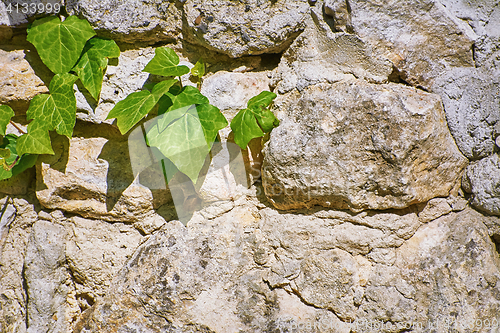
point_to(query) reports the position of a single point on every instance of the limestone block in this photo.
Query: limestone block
(131, 21)
(246, 27)
(482, 180)
(421, 39)
(355, 145)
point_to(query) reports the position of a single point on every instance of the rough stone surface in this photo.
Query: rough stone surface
(95, 251)
(438, 277)
(148, 21)
(421, 39)
(48, 282)
(483, 17)
(359, 146)
(339, 10)
(482, 180)
(319, 55)
(231, 91)
(433, 209)
(471, 97)
(15, 227)
(91, 175)
(18, 82)
(19, 184)
(253, 271)
(246, 27)
(374, 232)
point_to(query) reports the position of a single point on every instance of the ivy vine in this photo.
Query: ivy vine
(186, 125)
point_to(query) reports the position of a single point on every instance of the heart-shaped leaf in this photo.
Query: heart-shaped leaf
(36, 141)
(56, 111)
(5, 114)
(165, 62)
(185, 136)
(182, 141)
(135, 106)
(177, 100)
(60, 44)
(199, 69)
(93, 62)
(255, 120)
(11, 163)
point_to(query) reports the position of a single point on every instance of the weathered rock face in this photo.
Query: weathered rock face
(200, 283)
(132, 21)
(372, 231)
(231, 91)
(440, 279)
(91, 175)
(359, 146)
(319, 55)
(246, 27)
(483, 17)
(47, 280)
(53, 268)
(471, 97)
(16, 223)
(18, 82)
(421, 39)
(482, 180)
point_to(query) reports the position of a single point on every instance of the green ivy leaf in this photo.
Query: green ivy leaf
(199, 69)
(135, 106)
(60, 44)
(212, 121)
(255, 120)
(56, 111)
(93, 62)
(36, 141)
(177, 100)
(263, 99)
(5, 114)
(4, 153)
(165, 62)
(183, 140)
(26, 161)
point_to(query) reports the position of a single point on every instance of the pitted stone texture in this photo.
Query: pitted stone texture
(48, 281)
(355, 145)
(319, 55)
(471, 98)
(91, 175)
(202, 278)
(18, 81)
(15, 228)
(482, 180)
(450, 270)
(253, 271)
(339, 10)
(244, 27)
(149, 21)
(484, 19)
(231, 91)
(95, 251)
(420, 38)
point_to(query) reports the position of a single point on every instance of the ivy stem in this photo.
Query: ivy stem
(13, 163)
(180, 82)
(17, 127)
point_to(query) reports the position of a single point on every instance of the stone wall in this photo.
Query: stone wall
(373, 207)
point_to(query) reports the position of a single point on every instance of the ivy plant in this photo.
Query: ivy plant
(186, 124)
(71, 50)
